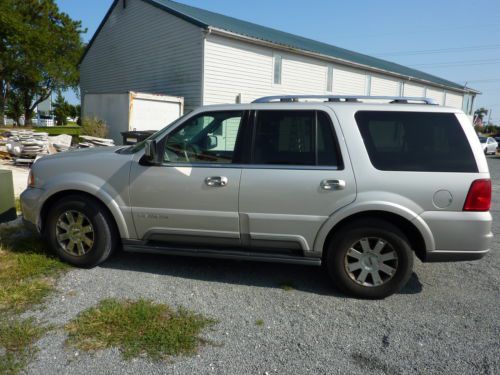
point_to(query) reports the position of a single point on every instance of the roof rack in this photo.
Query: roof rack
(345, 99)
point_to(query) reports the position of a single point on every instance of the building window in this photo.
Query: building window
(278, 67)
(329, 79)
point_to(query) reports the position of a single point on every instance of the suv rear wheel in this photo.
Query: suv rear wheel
(81, 231)
(369, 259)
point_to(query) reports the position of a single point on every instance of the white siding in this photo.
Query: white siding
(384, 86)
(348, 81)
(141, 48)
(235, 67)
(454, 100)
(413, 90)
(435, 94)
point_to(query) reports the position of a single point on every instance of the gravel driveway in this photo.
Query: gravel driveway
(446, 321)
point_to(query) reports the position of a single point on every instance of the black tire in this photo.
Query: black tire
(352, 234)
(104, 234)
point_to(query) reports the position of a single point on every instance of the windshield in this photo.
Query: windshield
(140, 145)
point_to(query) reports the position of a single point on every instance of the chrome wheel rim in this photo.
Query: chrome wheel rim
(75, 233)
(371, 262)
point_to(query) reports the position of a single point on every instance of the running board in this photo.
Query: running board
(140, 247)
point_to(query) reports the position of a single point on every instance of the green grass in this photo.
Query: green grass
(27, 276)
(27, 271)
(17, 339)
(138, 328)
(73, 130)
(18, 205)
(287, 286)
(259, 322)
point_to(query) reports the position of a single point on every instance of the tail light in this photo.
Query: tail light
(479, 196)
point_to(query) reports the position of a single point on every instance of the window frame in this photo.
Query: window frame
(249, 153)
(277, 68)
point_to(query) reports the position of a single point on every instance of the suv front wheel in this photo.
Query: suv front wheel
(80, 231)
(369, 258)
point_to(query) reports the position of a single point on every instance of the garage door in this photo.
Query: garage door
(437, 95)
(454, 100)
(384, 87)
(412, 90)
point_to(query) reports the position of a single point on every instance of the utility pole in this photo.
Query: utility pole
(489, 116)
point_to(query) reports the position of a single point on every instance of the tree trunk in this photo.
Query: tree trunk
(2, 104)
(28, 113)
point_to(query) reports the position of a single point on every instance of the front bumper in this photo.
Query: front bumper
(31, 206)
(458, 236)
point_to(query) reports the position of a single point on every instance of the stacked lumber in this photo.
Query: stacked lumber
(27, 144)
(89, 142)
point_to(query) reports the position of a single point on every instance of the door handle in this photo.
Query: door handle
(333, 184)
(216, 181)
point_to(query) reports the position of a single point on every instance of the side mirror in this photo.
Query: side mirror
(211, 142)
(150, 151)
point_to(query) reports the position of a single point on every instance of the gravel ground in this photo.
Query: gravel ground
(446, 321)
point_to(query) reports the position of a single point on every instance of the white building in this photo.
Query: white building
(161, 46)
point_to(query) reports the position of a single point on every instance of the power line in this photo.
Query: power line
(460, 63)
(398, 32)
(439, 50)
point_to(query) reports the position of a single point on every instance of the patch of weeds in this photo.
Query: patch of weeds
(138, 328)
(259, 322)
(287, 286)
(27, 276)
(17, 339)
(27, 272)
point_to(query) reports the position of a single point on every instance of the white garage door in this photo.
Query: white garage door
(454, 100)
(348, 82)
(412, 90)
(384, 87)
(437, 95)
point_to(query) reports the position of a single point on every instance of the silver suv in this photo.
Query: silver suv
(358, 185)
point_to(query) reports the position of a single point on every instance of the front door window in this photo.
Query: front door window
(207, 138)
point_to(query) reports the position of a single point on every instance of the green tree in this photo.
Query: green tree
(480, 113)
(62, 109)
(40, 47)
(14, 107)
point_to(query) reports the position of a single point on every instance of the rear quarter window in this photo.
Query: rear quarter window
(415, 141)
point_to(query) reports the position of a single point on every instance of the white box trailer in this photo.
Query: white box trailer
(132, 111)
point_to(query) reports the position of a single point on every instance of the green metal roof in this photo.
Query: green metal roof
(206, 19)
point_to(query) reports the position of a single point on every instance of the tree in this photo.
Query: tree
(479, 115)
(14, 107)
(62, 109)
(39, 51)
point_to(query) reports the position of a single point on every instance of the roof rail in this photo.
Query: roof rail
(344, 98)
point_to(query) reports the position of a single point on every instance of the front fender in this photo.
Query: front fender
(96, 187)
(389, 206)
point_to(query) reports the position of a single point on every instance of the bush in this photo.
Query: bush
(94, 127)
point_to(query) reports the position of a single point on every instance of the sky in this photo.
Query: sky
(454, 39)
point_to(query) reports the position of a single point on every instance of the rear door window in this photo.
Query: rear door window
(415, 141)
(295, 138)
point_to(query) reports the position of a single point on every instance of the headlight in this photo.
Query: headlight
(31, 179)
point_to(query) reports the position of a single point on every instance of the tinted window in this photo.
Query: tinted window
(414, 141)
(207, 138)
(295, 138)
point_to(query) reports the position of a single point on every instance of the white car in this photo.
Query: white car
(489, 145)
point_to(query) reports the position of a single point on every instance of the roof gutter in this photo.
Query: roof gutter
(222, 32)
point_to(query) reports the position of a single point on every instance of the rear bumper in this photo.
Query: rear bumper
(458, 236)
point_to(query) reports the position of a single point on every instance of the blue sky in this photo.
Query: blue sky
(455, 39)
